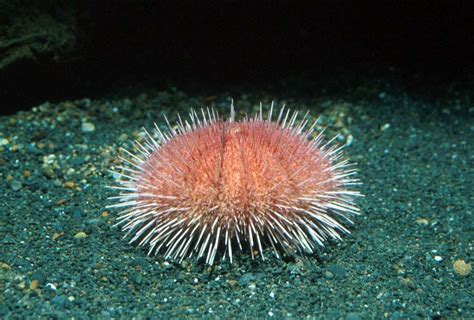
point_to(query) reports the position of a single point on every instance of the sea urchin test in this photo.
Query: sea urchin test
(209, 187)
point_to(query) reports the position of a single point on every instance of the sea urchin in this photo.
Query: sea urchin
(209, 186)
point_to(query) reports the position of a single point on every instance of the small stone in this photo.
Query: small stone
(34, 285)
(26, 173)
(232, 282)
(61, 202)
(80, 235)
(87, 127)
(70, 184)
(385, 127)
(422, 221)
(50, 290)
(136, 278)
(123, 137)
(462, 268)
(51, 286)
(16, 185)
(48, 172)
(4, 142)
(438, 258)
(4, 266)
(57, 235)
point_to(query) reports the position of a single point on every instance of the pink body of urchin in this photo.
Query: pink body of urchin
(212, 185)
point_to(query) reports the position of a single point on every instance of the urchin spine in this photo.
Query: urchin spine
(146, 215)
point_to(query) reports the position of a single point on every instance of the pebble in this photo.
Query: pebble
(4, 142)
(136, 278)
(49, 159)
(232, 283)
(70, 185)
(48, 172)
(123, 137)
(50, 290)
(16, 185)
(80, 235)
(34, 285)
(462, 268)
(87, 127)
(422, 221)
(57, 235)
(438, 258)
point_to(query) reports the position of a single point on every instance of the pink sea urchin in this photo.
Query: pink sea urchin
(210, 186)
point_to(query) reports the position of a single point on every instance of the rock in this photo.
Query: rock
(462, 268)
(4, 142)
(48, 172)
(80, 235)
(87, 127)
(16, 185)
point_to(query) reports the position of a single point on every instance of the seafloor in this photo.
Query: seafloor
(407, 256)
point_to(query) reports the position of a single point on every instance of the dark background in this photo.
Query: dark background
(58, 50)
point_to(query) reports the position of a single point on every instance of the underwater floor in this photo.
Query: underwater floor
(409, 254)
